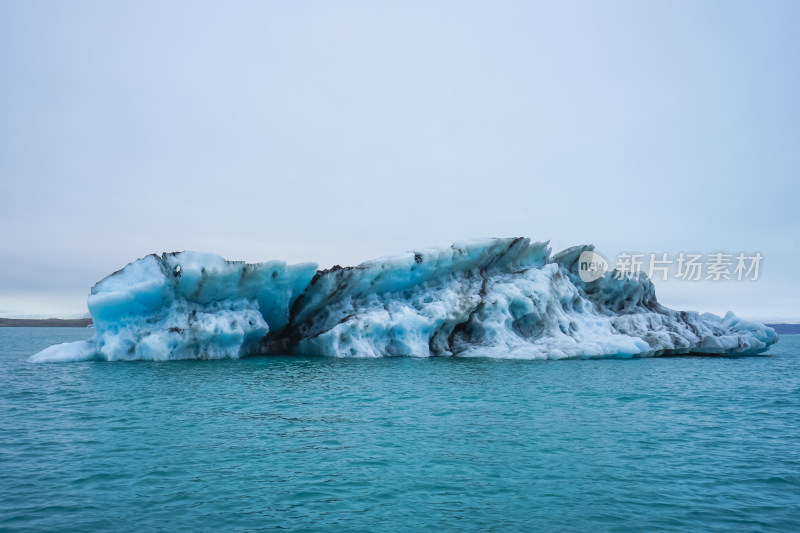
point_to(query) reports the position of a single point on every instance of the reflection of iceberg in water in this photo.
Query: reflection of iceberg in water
(505, 298)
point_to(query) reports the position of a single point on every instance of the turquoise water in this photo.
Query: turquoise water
(675, 444)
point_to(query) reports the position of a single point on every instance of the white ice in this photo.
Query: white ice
(503, 298)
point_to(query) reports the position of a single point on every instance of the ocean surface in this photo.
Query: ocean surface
(398, 444)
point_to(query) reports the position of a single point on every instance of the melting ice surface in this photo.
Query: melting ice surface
(505, 298)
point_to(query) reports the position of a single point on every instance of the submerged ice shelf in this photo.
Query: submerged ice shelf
(505, 298)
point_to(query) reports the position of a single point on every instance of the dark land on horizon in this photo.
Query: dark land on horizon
(785, 329)
(44, 322)
(780, 329)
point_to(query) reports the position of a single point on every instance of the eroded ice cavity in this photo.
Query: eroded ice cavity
(506, 298)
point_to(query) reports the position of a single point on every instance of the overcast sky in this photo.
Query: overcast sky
(336, 132)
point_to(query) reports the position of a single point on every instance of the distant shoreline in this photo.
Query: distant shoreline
(44, 322)
(785, 329)
(780, 329)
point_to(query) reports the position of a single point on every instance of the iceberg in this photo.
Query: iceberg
(502, 298)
